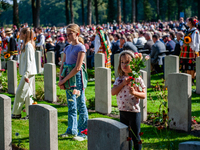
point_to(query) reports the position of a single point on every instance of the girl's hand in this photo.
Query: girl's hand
(26, 80)
(62, 87)
(126, 81)
(132, 91)
(61, 82)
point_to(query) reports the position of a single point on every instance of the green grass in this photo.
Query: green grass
(151, 139)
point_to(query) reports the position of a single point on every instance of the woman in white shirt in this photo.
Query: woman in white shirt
(27, 69)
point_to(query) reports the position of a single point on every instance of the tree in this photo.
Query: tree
(15, 14)
(83, 16)
(72, 13)
(89, 15)
(111, 11)
(198, 9)
(148, 12)
(124, 11)
(67, 11)
(134, 6)
(36, 12)
(119, 17)
(96, 11)
(158, 9)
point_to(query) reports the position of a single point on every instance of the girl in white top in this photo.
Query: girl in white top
(27, 69)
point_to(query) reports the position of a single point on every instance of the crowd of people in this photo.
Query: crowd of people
(156, 39)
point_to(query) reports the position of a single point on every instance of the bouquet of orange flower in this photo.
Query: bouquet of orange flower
(136, 65)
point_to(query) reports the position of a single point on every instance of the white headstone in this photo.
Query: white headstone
(116, 64)
(143, 102)
(103, 90)
(50, 82)
(148, 70)
(38, 61)
(198, 75)
(12, 76)
(5, 123)
(107, 134)
(179, 101)
(171, 66)
(99, 60)
(50, 57)
(43, 127)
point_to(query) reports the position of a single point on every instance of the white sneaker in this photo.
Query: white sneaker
(80, 138)
(60, 63)
(64, 135)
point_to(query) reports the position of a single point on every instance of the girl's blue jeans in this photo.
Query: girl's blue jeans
(75, 103)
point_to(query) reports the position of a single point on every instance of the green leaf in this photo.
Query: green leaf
(140, 88)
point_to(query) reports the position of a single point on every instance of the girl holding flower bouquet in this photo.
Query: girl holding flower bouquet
(73, 78)
(189, 48)
(128, 97)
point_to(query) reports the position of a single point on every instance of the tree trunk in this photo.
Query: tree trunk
(71, 10)
(37, 19)
(83, 16)
(158, 10)
(67, 11)
(36, 12)
(124, 11)
(119, 11)
(96, 11)
(33, 11)
(15, 13)
(89, 15)
(134, 11)
(169, 13)
(179, 8)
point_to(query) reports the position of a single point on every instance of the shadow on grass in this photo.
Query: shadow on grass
(196, 113)
(23, 140)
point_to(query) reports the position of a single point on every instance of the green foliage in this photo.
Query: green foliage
(3, 81)
(148, 11)
(90, 73)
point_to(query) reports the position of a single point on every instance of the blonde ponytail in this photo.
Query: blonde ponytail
(80, 39)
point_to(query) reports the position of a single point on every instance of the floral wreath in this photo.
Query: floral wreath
(195, 22)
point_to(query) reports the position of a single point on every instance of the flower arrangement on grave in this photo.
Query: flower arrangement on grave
(6, 56)
(136, 64)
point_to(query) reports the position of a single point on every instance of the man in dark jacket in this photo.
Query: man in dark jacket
(157, 49)
(59, 49)
(124, 45)
(177, 49)
(115, 47)
(148, 45)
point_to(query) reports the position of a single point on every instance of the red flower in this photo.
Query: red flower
(194, 121)
(140, 142)
(2, 70)
(160, 127)
(141, 133)
(131, 78)
(84, 131)
(129, 138)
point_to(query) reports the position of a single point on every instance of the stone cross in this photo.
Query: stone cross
(51, 57)
(143, 102)
(107, 134)
(103, 90)
(38, 61)
(12, 76)
(5, 123)
(148, 70)
(50, 82)
(179, 101)
(99, 60)
(171, 66)
(43, 127)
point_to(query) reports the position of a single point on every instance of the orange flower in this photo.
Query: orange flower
(34, 103)
(7, 55)
(0, 42)
(166, 89)
(35, 38)
(17, 36)
(187, 39)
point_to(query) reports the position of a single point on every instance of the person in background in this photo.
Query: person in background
(59, 50)
(148, 45)
(28, 70)
(49, 44)
(170, 44)
(141, 40)
(177, 49)
(124, 45)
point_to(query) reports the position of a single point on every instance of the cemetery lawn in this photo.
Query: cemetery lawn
(152, 138)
